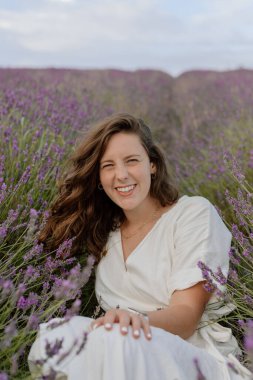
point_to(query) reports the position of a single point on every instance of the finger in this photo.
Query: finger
(136, 323)
(146, 328)
(96, 323)
(110, 318)
(124, 321)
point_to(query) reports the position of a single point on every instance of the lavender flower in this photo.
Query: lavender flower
(3, 232)
(53, 348)
(33, 322)
(63, 250)
(3, 376)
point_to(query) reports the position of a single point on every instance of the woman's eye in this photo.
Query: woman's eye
(106, 166)
(132, 160)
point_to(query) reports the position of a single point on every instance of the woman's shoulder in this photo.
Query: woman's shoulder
(189, 204)
(194, 200)
(195, 212)
(191, 210)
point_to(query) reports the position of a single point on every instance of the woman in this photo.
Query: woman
(118, 201)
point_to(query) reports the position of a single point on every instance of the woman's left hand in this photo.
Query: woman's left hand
(124, 318)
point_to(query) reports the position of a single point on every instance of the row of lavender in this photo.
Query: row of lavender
(204, 121)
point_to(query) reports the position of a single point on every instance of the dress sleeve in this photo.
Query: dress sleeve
(199, 234)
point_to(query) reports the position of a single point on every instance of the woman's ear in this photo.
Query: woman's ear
(152, 168)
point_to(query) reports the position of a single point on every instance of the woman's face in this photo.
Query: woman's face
(125, 172)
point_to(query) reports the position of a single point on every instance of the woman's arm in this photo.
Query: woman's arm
(184, 312)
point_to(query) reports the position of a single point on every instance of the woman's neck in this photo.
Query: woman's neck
(141, 214)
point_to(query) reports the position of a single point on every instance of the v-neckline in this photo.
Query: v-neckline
(147, 235)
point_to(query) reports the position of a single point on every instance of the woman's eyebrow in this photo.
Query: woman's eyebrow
(132, 155)
(125, 158)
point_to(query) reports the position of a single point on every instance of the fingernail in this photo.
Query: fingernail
(108, 325)
(124, 329)
(149, 336)
(136, 333)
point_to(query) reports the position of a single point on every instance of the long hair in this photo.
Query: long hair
(82, 211)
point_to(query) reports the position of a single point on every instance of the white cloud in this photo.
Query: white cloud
(132, 33)
(4, 24)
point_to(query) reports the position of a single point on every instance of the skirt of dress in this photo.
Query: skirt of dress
(108, 355)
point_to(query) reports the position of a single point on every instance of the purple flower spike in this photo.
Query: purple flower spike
(3, 232)
(22, 303)
(33, 213)
(33, 322)
(3, 376)
(53, 348)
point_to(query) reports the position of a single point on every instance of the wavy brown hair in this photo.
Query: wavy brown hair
(83, 211)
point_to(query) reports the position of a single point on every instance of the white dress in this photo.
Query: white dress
(164, 261)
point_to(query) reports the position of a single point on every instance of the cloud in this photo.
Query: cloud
(6, 25)
(130, 34)
(60, 29)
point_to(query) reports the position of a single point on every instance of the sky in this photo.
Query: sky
(170, 35)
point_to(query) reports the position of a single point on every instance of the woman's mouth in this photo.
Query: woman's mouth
(125, 189)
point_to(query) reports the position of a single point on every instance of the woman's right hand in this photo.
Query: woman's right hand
(125, 319)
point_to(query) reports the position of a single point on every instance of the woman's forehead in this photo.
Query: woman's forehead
(122, 144)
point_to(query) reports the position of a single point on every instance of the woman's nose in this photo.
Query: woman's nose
(121, 172)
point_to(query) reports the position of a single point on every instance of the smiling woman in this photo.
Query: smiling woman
(159, 322)
(125, 174)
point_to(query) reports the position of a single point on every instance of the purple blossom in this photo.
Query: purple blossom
(21, 289)
(233, 275)
(248, 338)
(33, 213)
(234, 256)
(46, 286)
(219, 276)
(33, 322)
(63, 250)
(10, 332)
(34, 252)
(67, 289)
(3, 232)
(26, 175)
(32, 299)
(22, 303)
(74, 310)
(83, 343)
(53, 348)
(3, 192)
(3, 376)
(241, 323)
(11, 329)
(246, 252)
(7, 287)
(248, 299)
(51, 264)
(207, 273)
(31, 271)
(12, 215)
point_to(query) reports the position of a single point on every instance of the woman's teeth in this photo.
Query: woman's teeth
(125, 189)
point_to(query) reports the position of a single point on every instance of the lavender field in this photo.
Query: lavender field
(204, 122)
